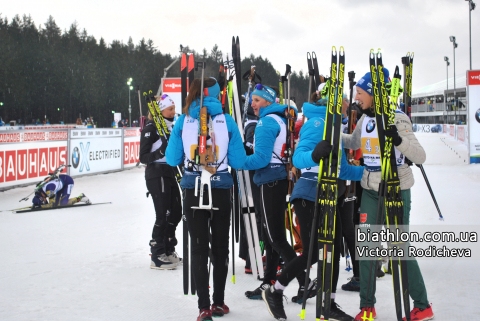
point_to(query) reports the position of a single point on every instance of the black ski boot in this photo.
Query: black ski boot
(274, 301)
(336, 314)
(312, 291)
(257, 293)
(352, 285)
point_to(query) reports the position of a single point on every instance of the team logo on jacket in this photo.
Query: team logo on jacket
(317, 123)
(371, 126)
(477, 115)
(363, 217)
(259, 124)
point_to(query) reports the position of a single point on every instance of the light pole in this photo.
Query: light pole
(446, 96)
(130, 87)
(471, 7)
(455, 45)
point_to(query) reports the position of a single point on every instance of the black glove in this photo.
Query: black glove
(392, 132)
(160, 152)
(322, 150)
(248, 149)
(362, 162)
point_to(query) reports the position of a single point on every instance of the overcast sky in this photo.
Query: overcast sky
(284, 30)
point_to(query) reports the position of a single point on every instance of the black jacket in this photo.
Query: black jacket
(148, 137)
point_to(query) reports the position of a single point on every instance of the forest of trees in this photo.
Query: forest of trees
(62, 75)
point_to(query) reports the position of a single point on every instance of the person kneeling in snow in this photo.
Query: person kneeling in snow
(58, 191)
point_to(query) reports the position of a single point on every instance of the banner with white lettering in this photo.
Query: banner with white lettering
(473, 123)
(28, 157)
(131, 147)
(427, 128)
(173, 88)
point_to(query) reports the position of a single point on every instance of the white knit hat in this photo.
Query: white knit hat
(165, 102)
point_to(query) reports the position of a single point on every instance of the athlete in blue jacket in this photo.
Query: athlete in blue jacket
(224, 134)
(269, 164)
(310, 149)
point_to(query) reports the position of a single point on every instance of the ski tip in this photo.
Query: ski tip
(342, 49)
(183, 64)
(372, 51)
(334, 48)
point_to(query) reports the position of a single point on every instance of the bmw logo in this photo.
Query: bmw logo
(371, 125)
(75, 157)
(477, 115)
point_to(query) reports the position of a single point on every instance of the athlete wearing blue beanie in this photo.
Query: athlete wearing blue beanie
(366, 81)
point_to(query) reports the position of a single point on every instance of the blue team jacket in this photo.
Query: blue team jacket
(310, 135)
(236, 152)
(266, 133)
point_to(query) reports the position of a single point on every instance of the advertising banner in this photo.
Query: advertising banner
(95, 150)
(473, 103)
(173, 88)
(427, 128)
(131, 147)
(28, 157)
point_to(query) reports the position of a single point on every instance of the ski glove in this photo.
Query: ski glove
(160, 152)
(322, 150)
(392, 132)
(248, 148)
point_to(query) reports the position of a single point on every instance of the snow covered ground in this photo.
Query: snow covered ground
(92, 263)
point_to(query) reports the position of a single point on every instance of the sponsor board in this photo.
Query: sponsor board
(131, 147)
(173, 88)
(30, 162)
(95, 133)
(473, 103)
(95, 154)
(427, 128)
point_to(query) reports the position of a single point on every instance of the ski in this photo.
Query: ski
(310, 78)
(55, 208)
(243, 177)
(352, 121)
(288, 153)
(183, 73)
(191, 75)
(316, 72)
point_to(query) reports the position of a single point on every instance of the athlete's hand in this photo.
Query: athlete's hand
(160, 152)
(248, 148)
(392, 132)
(322, 150)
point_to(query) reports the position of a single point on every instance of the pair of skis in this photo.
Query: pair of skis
(242, 188)
(186, 253)
(326, 195)
(390, 201)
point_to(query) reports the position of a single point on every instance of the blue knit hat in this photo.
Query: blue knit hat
(265, 92)
(366, 81)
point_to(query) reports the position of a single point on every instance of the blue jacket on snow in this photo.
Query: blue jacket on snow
(266, 133)
(310, 135)
(236, 152)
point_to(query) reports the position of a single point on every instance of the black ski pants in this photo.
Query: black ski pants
(168, 209)
(199, 222)
(272, 206)
(304, 210)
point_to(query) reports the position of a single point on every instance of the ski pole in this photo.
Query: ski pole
(431, 192)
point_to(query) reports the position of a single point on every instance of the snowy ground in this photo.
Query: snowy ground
(93, 263)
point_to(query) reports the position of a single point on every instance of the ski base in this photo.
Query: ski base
(56, 208)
